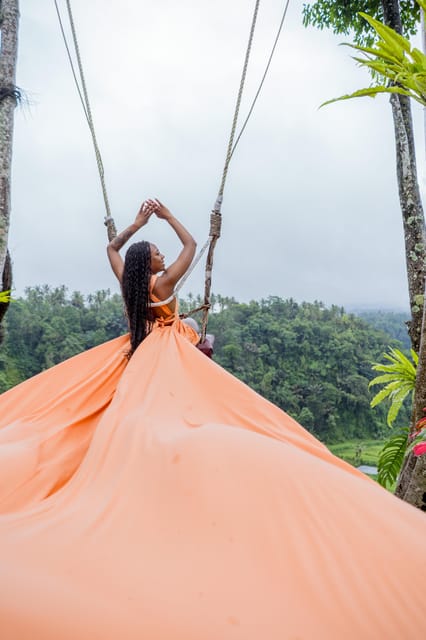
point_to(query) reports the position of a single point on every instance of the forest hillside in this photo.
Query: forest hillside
(312, 361)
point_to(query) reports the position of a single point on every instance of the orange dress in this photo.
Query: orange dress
(162, 499)
(165, 316)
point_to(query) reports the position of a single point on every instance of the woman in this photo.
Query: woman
(160, 498)
(138, 274)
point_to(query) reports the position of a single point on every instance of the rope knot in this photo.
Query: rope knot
(111, 228)
(203, 307)
(215, 224)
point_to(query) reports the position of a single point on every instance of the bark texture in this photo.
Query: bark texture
(9, 20)
(412, 213)
(409, 194)
(411, 485)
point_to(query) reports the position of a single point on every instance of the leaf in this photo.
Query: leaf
(422, 3)
(390, 58)
(381, 68)
(401, 362)
(387, 34)
(419, 57)
(371, 92)
(396, 403)
(384, 393)
(385, 55)
(418, 82)
(411, 81)
(378, 366)
(399, 378)
(399, 55)
(381, 379)
(391, 458)
(5, 296)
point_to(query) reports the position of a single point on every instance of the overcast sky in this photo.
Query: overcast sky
(311, 207)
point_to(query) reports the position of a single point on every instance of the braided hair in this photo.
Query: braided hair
(135, 288)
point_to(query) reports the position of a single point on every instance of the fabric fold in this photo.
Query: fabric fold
(162, 498)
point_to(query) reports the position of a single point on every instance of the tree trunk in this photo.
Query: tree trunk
(409, 194)
(411, 485)
(9, 19)
(412, 213)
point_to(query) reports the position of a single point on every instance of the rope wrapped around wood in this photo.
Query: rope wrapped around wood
(215, 224)
(216, 217)
(111, 228)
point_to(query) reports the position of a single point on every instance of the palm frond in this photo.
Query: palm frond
(387, 377)
(385, 392)
(388, 35)
(393, 61)
(399, 378)
(397, 399)
(370, 92)
(391, 458)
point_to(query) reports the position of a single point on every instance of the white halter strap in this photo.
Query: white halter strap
(182, 280)
(163, 302)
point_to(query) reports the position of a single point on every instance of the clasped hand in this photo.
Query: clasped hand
(148, 208)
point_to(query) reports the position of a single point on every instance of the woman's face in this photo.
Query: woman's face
(157, 260)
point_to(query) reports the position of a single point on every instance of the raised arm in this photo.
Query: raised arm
(175, 271)
(116, 261)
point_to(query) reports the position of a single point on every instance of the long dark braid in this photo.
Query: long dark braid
(135, 287)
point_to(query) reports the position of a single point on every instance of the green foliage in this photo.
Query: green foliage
(47, 327)
(343, 17)
(391, 458)
(399, 379)
(401, 67)
(312, 361)
(304, 357)
(306, 418)
(358, 452)
(393, 323)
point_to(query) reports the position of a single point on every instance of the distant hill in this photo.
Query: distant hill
(391, 322)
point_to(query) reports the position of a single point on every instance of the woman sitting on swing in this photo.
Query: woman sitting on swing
(144, 278)
(190, 504)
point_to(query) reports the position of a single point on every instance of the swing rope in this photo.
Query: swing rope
(216, 216)
(84, 97)
(265, 73)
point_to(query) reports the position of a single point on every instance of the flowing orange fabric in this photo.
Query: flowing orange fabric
(162, 499)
